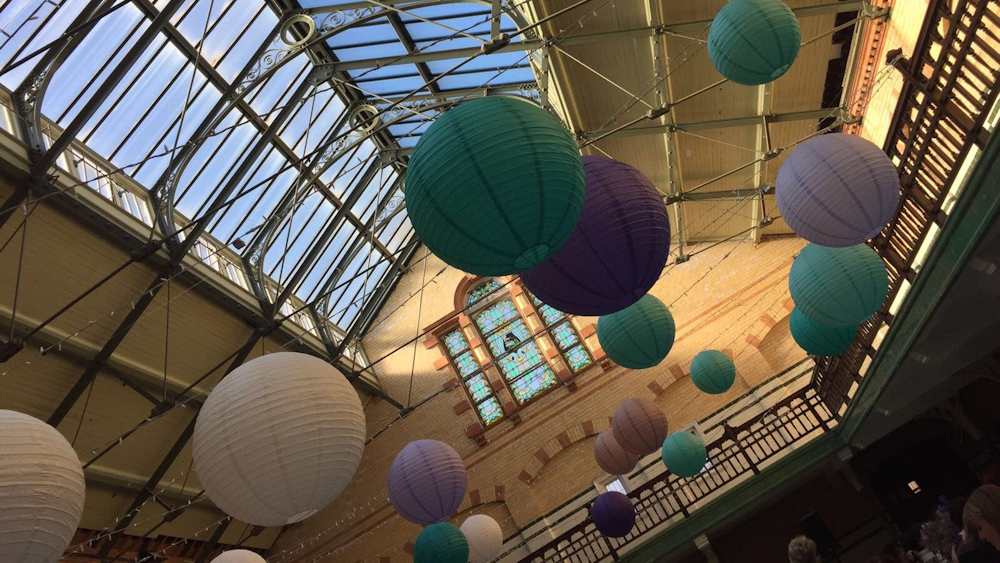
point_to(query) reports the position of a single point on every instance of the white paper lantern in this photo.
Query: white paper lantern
(238, 556)
(41, 490)
(484, 536)
(278, 439)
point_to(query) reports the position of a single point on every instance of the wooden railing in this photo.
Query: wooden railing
(741, 451)
(950, 86)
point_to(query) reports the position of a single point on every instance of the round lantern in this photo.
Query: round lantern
(837, 190)
(618, 249)
(484, 536)
(613, 514)
(278, 439)
(611, 457)
(427, 482)
(753, 42)
(639, 426)
(713, 372)
(41, 490)
(820, 340)
(684, 454)
(495, 186)
(441, 543)
(838, 287)
(640, 335)
(238, 556)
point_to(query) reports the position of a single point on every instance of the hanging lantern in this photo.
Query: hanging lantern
(441, 543)
(613, 514)
(427, 482)
(838, 287)
(484, 536)
(618, 249)
(238, 556)
(837, 190)
(753, 42)
(819, 340)
(41, 490)
(684, 454)
(639, 336)
(495, 186)
(639, 426)
(278, 439)
(611, 457)
(713, 372)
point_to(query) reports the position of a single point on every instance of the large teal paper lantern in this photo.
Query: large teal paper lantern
(684, 454)
(713, 372)
(495, 186)
(441, 543)
(838, 287)
(640, 335)
(753, 42)
(820, 340)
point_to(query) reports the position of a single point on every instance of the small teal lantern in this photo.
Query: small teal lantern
(640, 335)
(753, 42)
(819, 340)
(684, 454)
(441, 543)
(838, 287)
(713, 372)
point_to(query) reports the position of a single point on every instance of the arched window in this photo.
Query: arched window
(473, 379)
(564, 334)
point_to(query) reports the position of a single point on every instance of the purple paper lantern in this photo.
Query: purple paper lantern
(617, 250)
(427, 482)
(837, 190)
(613, 514)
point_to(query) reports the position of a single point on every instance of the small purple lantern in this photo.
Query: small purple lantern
(427, 482)
(613, 514)
(617, 250)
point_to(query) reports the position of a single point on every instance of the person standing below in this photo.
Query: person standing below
(802, 550)
(981, 519)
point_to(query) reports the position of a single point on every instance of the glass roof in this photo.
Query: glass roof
(163, 99)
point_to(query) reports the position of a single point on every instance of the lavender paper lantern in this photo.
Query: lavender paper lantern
(611, 457)
(427, 482)
(837, 190)
(639, 426)
(238, 556)
(613, 514)
(617, 250)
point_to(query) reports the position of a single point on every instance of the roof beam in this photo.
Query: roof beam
(748, 121)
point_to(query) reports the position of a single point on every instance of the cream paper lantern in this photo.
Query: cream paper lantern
(41, 490)
(238, 556)
(485, 538)
(278, 439)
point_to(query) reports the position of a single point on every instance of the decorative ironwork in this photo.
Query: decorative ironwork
(390, 208)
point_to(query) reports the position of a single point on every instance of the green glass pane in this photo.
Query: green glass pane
(522, 361)
(496, 316)
(549, 314)
(482, 291)
(565, 335)
(466, 364)
(578, 358)
(478, 387)
(509, 337)
(490, 411)
(455, 342)
(529, 386)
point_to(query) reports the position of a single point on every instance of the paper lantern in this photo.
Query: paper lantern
(838, 287)
(278, 439)
(441, 543)
(613, 514)
(495, 186)
(837, 190)
(820, 340)
(639, 426)
(484, 536)
(639, 336)
(427, 482)
(753, 42)
(684, 454)
(41, 490)
(611, 457)
(238, 556)
(618, 249)
(713, 372)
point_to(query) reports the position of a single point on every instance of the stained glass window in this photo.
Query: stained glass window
(478, 387)
(496, 316)
(455, 342)
(467, 365)
(482, 291)
(549, 314)
(508, 338)
(475, 382)
(532, 384)
(490, 411)
(520, 362)
(565, 335)
(578, 358)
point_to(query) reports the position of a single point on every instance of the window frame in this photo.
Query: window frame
(550, 328)
(463, 379)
